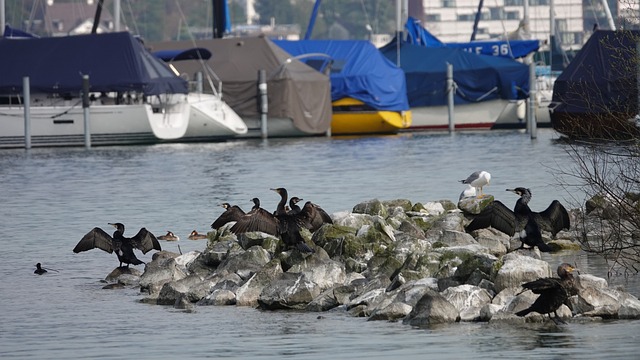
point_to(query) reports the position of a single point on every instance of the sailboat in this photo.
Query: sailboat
(134, 97)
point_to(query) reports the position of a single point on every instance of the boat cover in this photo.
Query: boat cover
(514, 49)
(477, 77)
(358, 71)
(602, 76)
(184, 54)
(115, 62)
(295, 90)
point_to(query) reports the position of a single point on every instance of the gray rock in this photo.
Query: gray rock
(517, 269)
(432, 309)
(246, 263)
(249, 292)
(161, 270)
(219, 297)
(468, 300)
(289, 291)
(393, 311)
(173, 290)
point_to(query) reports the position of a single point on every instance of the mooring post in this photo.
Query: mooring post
(532, 126)
(26, 97)
(85, 108)
(264, 102)
(450, 96)
(199, 88)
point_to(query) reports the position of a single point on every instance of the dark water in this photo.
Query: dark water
(51, 197)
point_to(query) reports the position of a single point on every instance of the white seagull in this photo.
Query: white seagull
(478, 179)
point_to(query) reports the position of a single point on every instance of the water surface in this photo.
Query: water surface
(52, 197)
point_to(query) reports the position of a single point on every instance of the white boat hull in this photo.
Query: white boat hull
(62, 124)
(276, 128)
(211, 119)
(476, 116)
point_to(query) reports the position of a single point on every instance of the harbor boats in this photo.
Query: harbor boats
(299, 97)
(596, 96)
(368, 92)
(486, 88)
(210, 117)
(133, 97)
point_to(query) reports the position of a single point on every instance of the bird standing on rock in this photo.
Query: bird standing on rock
(553, 292)
(478, 180)
(231, 213)
(523, 220)
(123, 246)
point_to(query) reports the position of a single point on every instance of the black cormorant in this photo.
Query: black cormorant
(196, 236)
(169, 236)
(257, 219)
(553, 292)
(123, 246)
(284, 223)
(293, 205)
(231, 213)
(478, 180)
(523, 220)
(39, 270)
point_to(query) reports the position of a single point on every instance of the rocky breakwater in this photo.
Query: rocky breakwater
(384, 260)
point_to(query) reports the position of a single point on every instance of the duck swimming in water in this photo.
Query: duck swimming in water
(39, 270)
(123, 246)
(169, 236)
(196, 236)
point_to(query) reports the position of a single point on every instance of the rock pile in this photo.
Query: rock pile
(385, 260)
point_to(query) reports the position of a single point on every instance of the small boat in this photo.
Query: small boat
(486, 88)
(352, 117)
(596, 96)
(211, 118)
(299, 98)
(134, 98)
(367, 91)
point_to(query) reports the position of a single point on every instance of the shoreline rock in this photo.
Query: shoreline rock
(385, 260)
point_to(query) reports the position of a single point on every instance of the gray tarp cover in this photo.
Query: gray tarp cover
(296, 91)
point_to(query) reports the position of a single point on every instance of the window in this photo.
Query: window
(513, 2)
(432, 18)
(448, 3)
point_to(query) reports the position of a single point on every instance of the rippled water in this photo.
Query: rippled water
(51, 197)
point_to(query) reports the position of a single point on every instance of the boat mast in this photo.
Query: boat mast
(2, 17)
(476, 20)
(607, 12)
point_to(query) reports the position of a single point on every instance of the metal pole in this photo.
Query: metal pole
(199, 82)
(450, 93)
(85, 108)
(116, 15)
(264, 102)
(26, 97)
(532, 126)
(2, 17)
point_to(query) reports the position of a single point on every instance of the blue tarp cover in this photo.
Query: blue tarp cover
(358, 71)
(602, 76)
(418, 35)
(475, 75)
(113, 61)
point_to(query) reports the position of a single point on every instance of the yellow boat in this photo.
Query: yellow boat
(351, 117)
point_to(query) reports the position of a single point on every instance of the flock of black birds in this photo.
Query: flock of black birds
(289, 219)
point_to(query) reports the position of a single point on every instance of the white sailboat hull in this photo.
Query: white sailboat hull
(211, 118)
(477, 116)
(62, 123)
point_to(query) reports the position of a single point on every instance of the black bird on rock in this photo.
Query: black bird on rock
(231, 213)
(553, 292)
(123, 246)
(284, 223)
(523, 220)
(257, 219)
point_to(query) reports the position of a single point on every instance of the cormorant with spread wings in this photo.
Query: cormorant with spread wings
(523, 220)
(123, 246)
